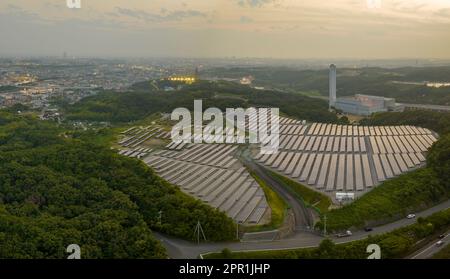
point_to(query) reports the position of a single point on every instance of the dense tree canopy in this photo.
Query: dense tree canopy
(439, 159)
(145, 100)
(436, 121)
(55, 191)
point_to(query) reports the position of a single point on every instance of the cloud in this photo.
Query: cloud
(17, 12)
(246, 19)
(254, 3)
(163, 17)
(444, 13)
(179, 15)
(59, 6)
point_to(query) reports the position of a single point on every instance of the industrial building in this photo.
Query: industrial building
(359, 104)
(366, 105)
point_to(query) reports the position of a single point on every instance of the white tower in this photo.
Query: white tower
(332, 85)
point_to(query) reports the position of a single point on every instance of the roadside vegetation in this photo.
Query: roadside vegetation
(443, 254)
(310, 198)
(278, 206)
(394, 245)
(390, 201)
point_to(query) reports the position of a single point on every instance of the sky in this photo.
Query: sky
(288, 29)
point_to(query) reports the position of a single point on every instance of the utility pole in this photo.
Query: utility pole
(325, 225)
(198, 230)
(160, 217)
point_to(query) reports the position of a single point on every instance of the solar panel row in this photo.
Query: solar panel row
(351, 130)
(138, 135)
(346, 157)
(401, 144)
(333, 171)
(204, 171)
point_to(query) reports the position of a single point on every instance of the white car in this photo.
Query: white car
(439, 243)
(411, 216)
(347, 233)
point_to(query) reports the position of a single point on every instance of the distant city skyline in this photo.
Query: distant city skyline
(281, 29)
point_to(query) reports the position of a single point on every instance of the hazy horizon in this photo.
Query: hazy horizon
(252, 29)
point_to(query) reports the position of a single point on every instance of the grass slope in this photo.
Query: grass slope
(278, 206)
(310, 197)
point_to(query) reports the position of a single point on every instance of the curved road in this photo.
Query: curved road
(303, 217)
(181, 249)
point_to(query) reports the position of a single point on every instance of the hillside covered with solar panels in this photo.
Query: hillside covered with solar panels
(211, 173)
(344, 158)
(327, 158)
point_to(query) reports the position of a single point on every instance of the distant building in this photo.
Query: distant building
(169, 88)
(345, 197)
(366, 105)
(50, 114)
(332, 85)
(427, 107)
(185, 79)
(188, 79)
(246, 80)
(359, 104)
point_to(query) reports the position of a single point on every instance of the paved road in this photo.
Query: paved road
(407, 105)
(431, 249)
(303, 217)
(182, 249)
(428, 107)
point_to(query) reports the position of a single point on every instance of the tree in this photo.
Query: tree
(326, 249)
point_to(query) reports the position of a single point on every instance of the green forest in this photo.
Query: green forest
(436, 121)
(8, 88)
(399, 83)
(56, 190)
(145, 100)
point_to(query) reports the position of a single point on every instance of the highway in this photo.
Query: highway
(431, 249)
(181, 249)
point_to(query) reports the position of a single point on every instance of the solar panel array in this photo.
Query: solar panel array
(210, 173)
(327, 157)
(139, 152)
(136, 136)
(331, 157)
